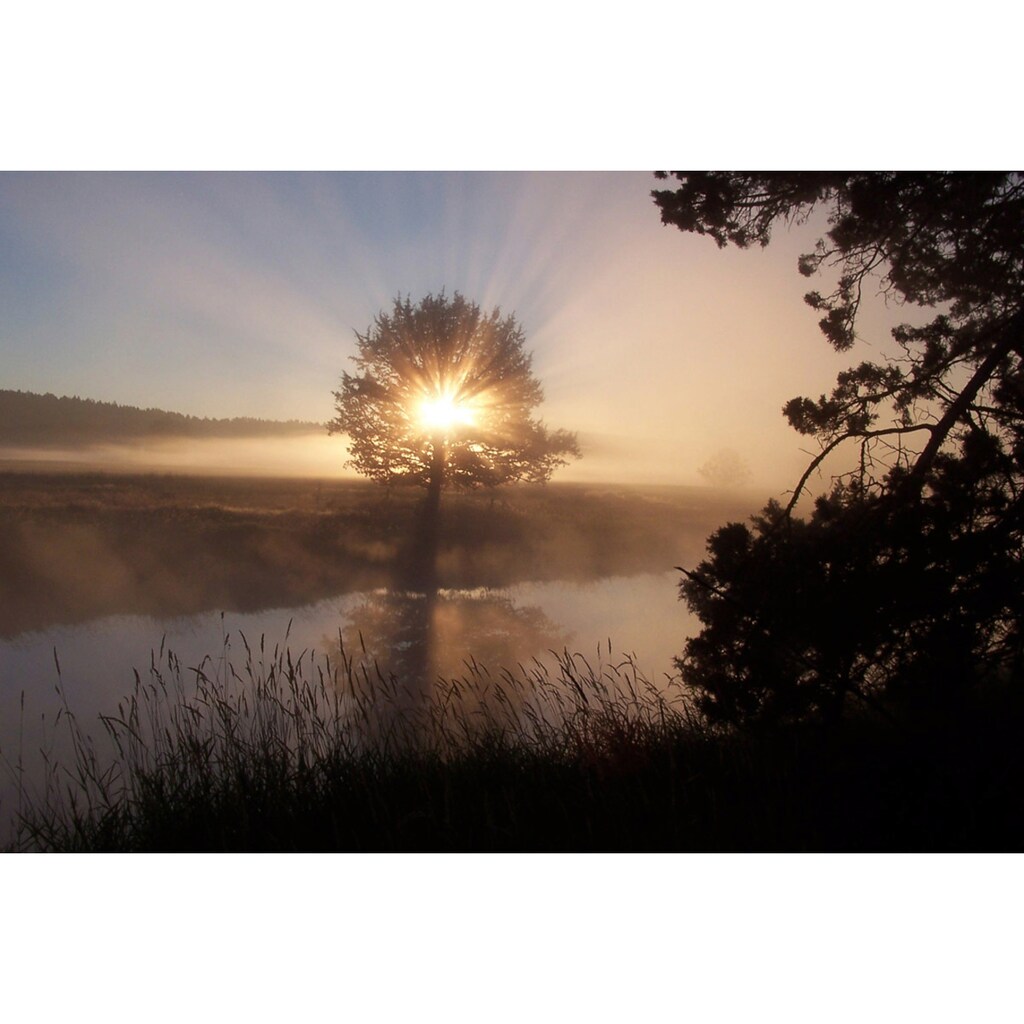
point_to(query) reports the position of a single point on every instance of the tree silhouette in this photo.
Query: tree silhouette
(726, 468)
(444, 395)
(908, 577)
(30, 419)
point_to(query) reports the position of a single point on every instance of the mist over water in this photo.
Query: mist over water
(104, 574)
(489, 633)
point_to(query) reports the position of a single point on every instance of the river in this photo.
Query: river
(524, 628)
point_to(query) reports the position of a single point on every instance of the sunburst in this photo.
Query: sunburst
(444, 413)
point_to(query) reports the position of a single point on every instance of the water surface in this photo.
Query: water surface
(413, 635)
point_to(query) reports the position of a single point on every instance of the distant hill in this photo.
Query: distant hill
(30, 419)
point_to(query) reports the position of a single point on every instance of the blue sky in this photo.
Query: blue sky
(237, 294)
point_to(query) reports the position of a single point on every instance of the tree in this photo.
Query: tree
(444, 396)
(908, 577)
(725, 469)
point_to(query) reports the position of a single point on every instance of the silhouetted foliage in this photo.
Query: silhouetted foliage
(907, 578)
(29, 419)
(470, 372)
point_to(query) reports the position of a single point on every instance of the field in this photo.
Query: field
(75, 546)
(190, 761)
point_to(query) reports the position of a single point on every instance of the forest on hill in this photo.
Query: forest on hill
(31, 419)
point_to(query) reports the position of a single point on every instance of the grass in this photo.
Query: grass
(287, 751)
(294, 753)
(74, 547)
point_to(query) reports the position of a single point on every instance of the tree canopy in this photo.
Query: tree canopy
(908, 575)
(445, 395)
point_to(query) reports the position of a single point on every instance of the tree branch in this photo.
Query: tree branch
(828, 449)
(940, 430)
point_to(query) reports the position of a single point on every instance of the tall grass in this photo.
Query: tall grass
(272, 750)
(263, 753)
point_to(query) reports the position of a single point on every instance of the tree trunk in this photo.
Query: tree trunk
(1002, 347)
(436, 480)
(420, 561)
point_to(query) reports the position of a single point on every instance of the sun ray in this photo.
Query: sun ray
(444, 412)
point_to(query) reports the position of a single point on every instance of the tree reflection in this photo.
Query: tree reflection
(420, 644)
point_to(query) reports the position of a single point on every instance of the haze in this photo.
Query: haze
(237, 294)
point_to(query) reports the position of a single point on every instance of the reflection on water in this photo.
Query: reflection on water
(475, 610)
(497, 627)
(433, 634)
(415, 639)
(419, 635)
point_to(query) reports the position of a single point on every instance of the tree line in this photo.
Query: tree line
(31, 419)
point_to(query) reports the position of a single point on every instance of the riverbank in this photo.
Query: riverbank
(595, 760)
(77, 546)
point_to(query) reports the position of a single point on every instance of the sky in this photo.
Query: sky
(238, 294)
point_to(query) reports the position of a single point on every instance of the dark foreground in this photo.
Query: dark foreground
(276, 755)
(622, 771)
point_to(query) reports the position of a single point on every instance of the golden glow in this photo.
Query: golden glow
(444, 413)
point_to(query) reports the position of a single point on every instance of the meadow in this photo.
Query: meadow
(262, 746)
(75, 546)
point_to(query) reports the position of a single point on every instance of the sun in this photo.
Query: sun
(444, 413)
